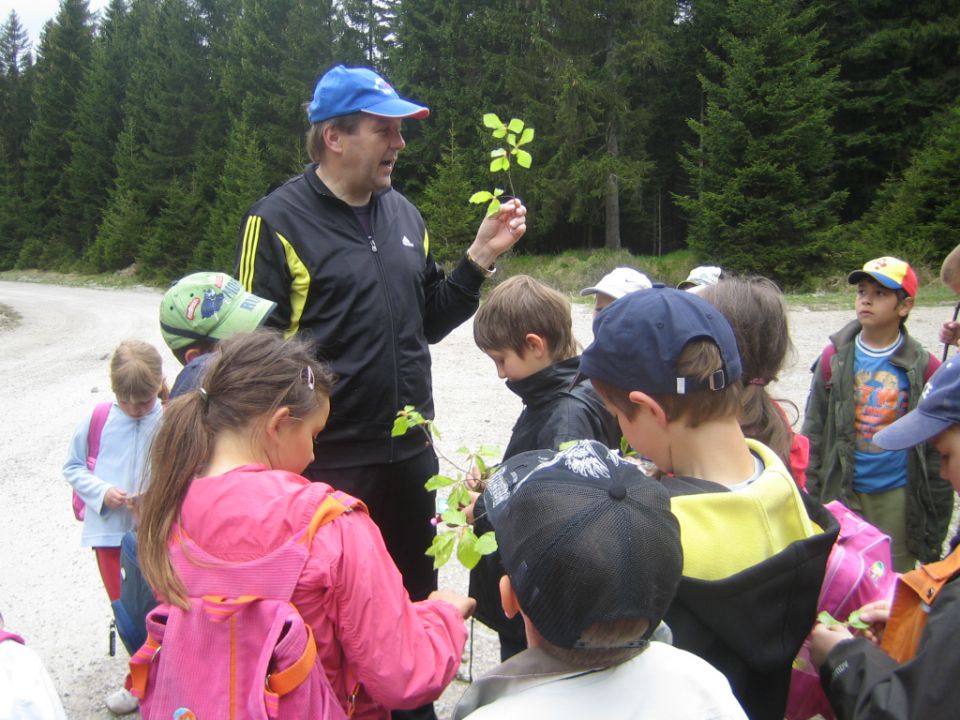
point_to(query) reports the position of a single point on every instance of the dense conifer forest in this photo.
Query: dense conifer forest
(774, 136)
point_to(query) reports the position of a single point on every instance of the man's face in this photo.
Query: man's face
(369, 154)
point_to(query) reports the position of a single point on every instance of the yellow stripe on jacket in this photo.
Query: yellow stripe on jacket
(724, 533)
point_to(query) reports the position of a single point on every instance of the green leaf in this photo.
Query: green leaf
(481, 197)
(523, 158)
(454, 517)
(486, 543)
(500, 163)
(526, 137)
(459, 497)
(441, 549)
(512, 139)
(489, 450)
(516, 125)
(497, 192)
(466, 549)
(827, 619)
(481, 465)
(854, 621)
(499, 133)
(463, 449)
(438, 481)
(399, 426)
(491, 120)
(499, 152)
(493, 208)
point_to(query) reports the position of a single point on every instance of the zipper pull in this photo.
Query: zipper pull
(373, 245)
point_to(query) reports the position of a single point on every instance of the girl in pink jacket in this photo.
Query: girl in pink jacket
(224, 472)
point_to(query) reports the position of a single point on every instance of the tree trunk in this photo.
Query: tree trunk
(612, 194)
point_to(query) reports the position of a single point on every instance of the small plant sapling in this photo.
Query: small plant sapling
(516, 135)
(455, 533)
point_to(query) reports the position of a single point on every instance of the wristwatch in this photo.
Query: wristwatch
(486, 272)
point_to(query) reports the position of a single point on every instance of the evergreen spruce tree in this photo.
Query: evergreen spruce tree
(918, 217)
(63, 59)
(15, 115)
(450, 219)
(167, 101)
(898, 67)
(762, 175)
(99, 120)
(243, 181)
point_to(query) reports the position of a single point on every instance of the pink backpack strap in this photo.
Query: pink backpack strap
(7, 635)
(825, 370)
(97, 421)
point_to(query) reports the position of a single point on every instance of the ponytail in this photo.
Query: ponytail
(179, 450)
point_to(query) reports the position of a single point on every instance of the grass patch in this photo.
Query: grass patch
(572, 270)
(9, 318)
(120, 279)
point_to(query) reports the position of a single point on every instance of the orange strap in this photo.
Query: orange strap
(289, 679)
(914, 593)
(140, 666)
(332, 507)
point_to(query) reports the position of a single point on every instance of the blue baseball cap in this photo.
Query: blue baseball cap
(343, 91)
(938, 409)
(638, 339)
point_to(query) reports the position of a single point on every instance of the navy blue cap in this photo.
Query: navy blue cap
(344, 91)
(938, 409)
(638, 339)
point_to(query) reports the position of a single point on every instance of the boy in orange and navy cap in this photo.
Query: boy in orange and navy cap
(871, 374)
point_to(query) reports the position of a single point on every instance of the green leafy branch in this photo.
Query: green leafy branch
(455, 534)
(517, 135)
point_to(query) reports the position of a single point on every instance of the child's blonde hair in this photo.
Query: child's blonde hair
(251, 376)
(136, 371)
(522, 305)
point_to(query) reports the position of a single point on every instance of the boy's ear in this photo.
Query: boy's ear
(535, 344)
(508, 598)
(645, 401)
(905, 306)
(192, 354)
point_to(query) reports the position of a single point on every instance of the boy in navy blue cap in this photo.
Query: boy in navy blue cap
(666, 363)
(913, 674)
(592, 557)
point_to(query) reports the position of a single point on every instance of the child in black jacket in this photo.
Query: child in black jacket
(527, 330)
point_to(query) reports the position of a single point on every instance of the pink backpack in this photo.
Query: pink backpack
(859, 571)
(242, 650)
(97, 421)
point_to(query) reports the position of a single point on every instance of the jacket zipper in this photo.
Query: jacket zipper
(393, 330)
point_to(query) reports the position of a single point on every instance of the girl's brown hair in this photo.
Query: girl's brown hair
(136, 371)
(755, 308)
(251, 376)
(521, 305)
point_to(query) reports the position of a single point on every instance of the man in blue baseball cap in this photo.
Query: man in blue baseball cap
(347, 260)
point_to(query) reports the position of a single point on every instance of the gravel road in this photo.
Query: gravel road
(55, 362)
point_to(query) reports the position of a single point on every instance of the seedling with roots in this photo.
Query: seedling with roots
(517, 134)
(455, 533)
